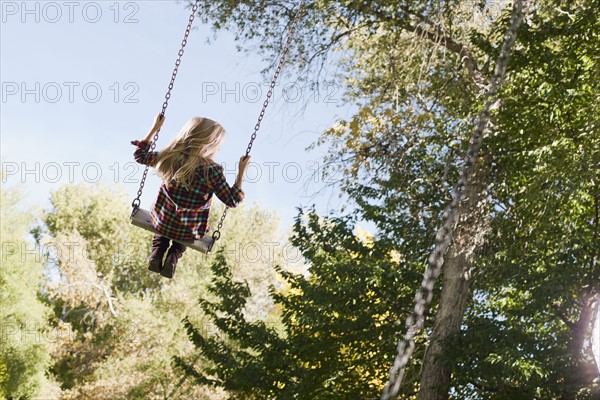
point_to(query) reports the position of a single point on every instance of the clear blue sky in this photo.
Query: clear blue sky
(81, 79)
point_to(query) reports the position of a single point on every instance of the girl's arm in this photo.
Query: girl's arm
(231, 196)
(158, 122)
(244, 161)
(142, 154)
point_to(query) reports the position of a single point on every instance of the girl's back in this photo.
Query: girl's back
(190, 177)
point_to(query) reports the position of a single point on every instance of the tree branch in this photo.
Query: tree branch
(466, 56)
(560, 314)
(97, 286)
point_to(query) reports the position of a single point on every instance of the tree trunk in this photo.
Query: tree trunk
(583, 369)
(452, 217)
(581, 372)
(436, 371)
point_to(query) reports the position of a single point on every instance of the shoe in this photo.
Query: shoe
(170, 265)
(155, 264)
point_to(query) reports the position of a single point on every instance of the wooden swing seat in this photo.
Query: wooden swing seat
(141, 218)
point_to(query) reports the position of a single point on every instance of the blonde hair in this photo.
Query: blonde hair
(195, 145)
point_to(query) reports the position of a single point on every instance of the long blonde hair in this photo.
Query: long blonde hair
(195, 145)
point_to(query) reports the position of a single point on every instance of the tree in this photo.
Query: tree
(416, 74)
(413, 111)
(334, 338)
(537, 281)
(24, 348)
(122, 322)
(121, 328)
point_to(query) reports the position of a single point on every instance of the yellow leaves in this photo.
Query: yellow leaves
(310, 365)
(395, 256)
(354, 125)
(280, 385)
(374, 381)
(381, 319)
(337, 130)
(3, 378)
(294, 291)
(364, 236)
(365, 113)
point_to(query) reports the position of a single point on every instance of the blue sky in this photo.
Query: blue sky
(81, 79)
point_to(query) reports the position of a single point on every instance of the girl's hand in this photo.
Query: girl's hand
(158, 122)
(244, 161)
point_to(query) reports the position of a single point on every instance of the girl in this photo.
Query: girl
(190, 177)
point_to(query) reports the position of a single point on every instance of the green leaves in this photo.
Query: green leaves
(24, 350)
(336, 323)
(416, 74)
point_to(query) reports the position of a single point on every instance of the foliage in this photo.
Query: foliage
(23, 317)
(120, 323)
(336, 337)
(524, 334)
(539, 276)
(324, 325)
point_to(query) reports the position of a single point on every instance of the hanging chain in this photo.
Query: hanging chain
(416, 320)
(284, 54)
(136, 202)
(217, 233)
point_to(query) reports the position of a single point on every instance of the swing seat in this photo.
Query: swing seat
(141, 218)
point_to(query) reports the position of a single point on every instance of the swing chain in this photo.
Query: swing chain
(450, 217)
(282, 59)
(217, 233)
(136, 202)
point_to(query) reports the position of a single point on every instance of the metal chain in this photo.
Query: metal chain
(284, 54)
(416, 320)
(217, 233)
(135, 204)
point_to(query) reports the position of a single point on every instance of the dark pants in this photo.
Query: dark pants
(160, 244)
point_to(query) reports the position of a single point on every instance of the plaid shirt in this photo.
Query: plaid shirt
(182, 214)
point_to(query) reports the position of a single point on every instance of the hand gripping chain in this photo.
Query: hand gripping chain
(217, 233)
(136, 202)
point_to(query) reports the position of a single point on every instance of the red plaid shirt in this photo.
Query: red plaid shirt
(182, 214)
